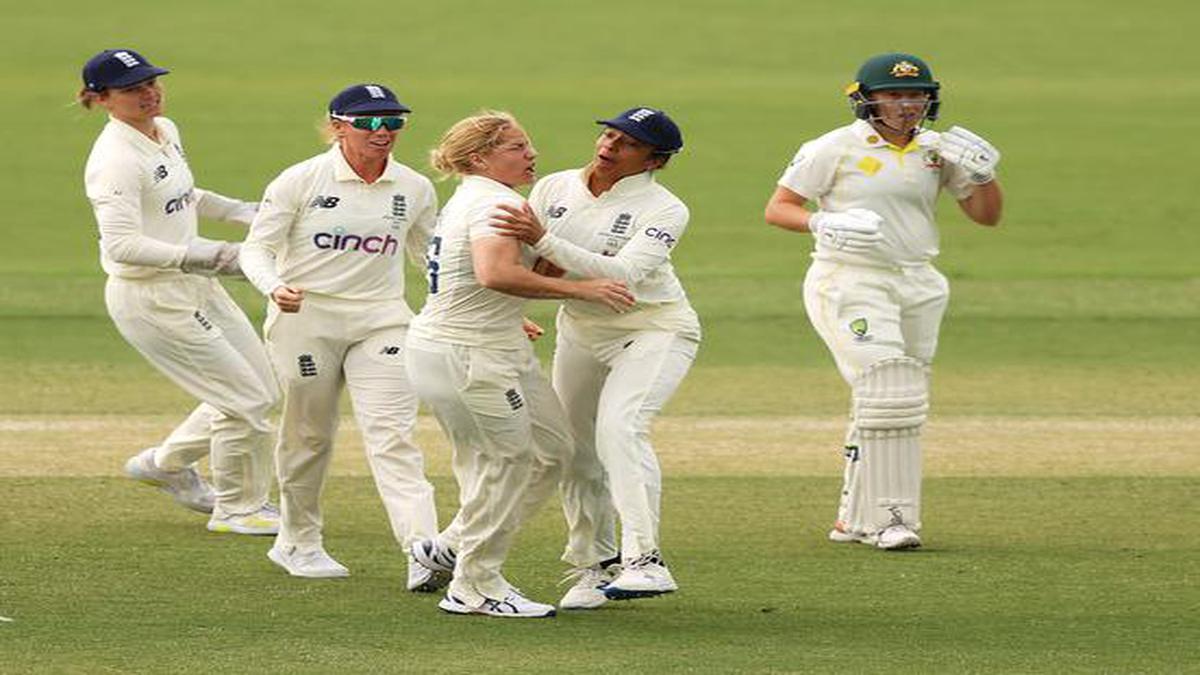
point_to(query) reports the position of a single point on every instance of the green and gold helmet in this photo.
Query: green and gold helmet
(894, 70)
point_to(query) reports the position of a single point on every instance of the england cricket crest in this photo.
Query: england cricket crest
(860, 327)
(621, 224)
(399, 212)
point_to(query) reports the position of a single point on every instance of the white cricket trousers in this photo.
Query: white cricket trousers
(191, 331)
(865, 315)
(328, 344)
(612, 391)
(510, 442)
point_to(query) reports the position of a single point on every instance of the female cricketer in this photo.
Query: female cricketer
(872, 292)
(165, 300)
(615, 372)
(471, 361)
(325, 247)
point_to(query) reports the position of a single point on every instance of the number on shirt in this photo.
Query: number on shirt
(431, 262)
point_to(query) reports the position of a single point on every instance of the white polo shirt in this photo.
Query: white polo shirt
(322, 228)
(458, 309)
(627, 233)
(146, 202)
(853, 167)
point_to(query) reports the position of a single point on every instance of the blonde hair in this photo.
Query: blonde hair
(87, 98)
(477, 134)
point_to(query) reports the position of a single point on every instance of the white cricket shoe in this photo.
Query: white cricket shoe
(587, 589)
(433, 556)
(513, 606)
(645, 577)
(185, 485)
(261, 522)
(421, 579)
(313, 563)
(897, 537)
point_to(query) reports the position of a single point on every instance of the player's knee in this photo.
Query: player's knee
(891, 393)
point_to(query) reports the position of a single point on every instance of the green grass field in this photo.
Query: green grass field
(1061, 526)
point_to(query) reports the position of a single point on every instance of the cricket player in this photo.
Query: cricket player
(615, 372)
(872, 292)
(325, 247)
(471, 361)
(165, 301)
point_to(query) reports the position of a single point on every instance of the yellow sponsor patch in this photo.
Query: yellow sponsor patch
(870, 165)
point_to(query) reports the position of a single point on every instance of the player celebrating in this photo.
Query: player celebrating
(614, 373)
(872, 292)
(164, 299)
(324, 248)
(471, 362)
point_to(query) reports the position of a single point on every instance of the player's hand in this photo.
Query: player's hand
(608, 292)
(852, 230)
(971, 152)
(288, 299)
(521, 223)
(208, 257)
(532, 330)
(546, 268)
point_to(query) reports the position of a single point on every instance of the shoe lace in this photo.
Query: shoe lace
(648, 558)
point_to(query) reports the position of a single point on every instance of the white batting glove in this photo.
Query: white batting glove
(971, 152)
(852, 230)
(207, 257)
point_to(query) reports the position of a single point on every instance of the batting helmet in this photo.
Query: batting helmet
(894, 70)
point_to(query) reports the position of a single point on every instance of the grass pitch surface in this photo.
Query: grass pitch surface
(1062, 463)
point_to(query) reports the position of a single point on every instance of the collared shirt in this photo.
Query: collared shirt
(458, 309)
(626, 233)
(322, 228)
(145, 200)
(853, 167)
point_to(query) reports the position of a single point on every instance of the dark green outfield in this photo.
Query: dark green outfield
(1019, 575)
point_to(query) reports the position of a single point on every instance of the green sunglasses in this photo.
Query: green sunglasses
(373, 122)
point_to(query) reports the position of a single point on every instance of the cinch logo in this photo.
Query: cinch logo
(641, 114)
(556, 211)
(321, 202)
(338, 240)
(179, 203)
(125, 57)
(664, 237)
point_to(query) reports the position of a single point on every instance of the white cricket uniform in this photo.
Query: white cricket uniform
(887, 302)
(471, 362)
(615, 372)
(322, 228)
(187, 326)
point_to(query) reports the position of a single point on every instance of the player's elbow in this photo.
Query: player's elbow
(119, 249)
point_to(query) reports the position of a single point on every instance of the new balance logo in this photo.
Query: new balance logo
(202, 320)
(125, 57)
(622, 223)
(390, 351)
(322, 202)
(160, 173)
(514, 399)
(556, 211)
(308, 366)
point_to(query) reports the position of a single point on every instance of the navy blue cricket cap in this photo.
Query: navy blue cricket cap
(648, 125)
(116, 68)
(366, 98)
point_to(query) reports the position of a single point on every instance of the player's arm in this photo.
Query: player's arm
(214, 206)
(268, 233)
(421, 231)
(648, 250)
(788, 210)
(985, 205)
(116, 197)
(497, 264)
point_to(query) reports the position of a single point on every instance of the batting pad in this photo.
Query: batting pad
(891, 401)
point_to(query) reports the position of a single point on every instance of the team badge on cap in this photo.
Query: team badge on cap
(905, 69)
